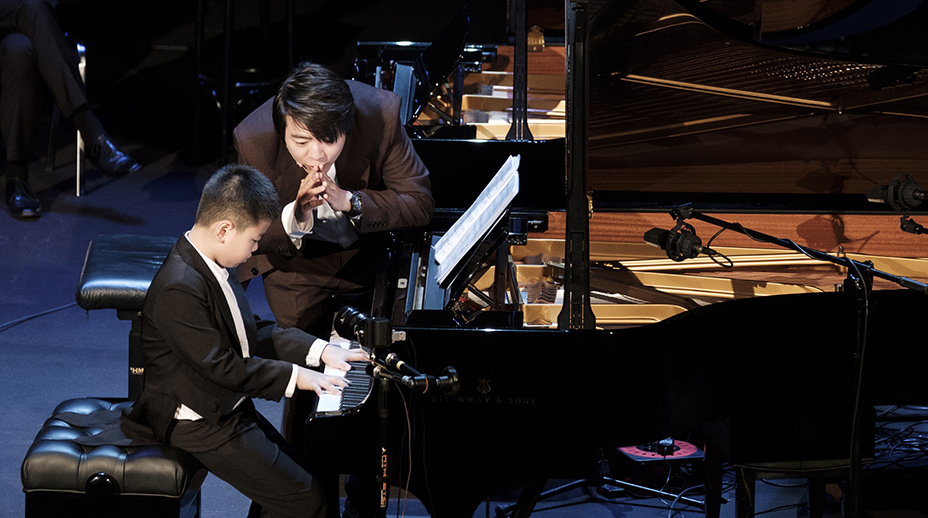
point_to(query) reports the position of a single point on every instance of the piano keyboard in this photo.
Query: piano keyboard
(352, 397)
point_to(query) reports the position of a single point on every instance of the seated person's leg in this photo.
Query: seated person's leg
(18, 112)
(56, 60)
(240, 452)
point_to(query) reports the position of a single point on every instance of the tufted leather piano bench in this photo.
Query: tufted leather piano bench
(117, 272)
(63, 478)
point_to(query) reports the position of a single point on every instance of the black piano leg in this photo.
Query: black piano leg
(714, 470)
(816, 495)
(744, 493)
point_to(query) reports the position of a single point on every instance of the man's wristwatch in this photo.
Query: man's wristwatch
(355, 211)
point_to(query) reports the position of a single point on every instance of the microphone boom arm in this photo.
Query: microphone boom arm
(905, 282)
(401, 373)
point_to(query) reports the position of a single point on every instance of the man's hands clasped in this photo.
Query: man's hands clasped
(317, 188)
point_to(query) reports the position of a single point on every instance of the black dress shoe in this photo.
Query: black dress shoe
(21, 201)
(111, 161)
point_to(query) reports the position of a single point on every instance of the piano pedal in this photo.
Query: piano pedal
(608, 490)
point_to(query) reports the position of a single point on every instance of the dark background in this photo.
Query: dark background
(141, 60)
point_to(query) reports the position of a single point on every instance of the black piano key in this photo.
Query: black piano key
(358, 389)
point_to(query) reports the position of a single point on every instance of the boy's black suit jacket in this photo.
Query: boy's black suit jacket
(192, 353)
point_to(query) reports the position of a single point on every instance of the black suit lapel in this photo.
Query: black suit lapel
(192, 257)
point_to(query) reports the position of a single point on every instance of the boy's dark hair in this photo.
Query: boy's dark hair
(318, 99)
(240, 194)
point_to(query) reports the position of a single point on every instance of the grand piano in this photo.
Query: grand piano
(774, 121)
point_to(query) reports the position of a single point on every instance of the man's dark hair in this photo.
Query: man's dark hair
(240, 194)
(318, 99)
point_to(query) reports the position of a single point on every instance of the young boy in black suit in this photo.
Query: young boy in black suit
(206, 356)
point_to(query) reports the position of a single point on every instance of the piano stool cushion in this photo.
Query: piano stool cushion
(118, 270)
(63, 478)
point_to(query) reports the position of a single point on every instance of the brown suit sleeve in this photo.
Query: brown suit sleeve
(380, 159)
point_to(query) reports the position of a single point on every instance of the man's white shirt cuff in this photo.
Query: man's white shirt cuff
(292, 227)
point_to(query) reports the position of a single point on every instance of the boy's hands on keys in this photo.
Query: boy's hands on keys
(338, 357)
(318, 382)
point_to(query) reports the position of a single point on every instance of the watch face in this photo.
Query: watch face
(355, 205)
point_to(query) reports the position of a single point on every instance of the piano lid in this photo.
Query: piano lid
(703, 102)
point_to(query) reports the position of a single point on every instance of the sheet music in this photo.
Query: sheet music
(478, 219)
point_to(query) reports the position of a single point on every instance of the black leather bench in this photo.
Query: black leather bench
(117, 271)
(61, 475)
(64, 478)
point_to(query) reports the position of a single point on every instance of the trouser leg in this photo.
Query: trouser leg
(55, 56)
(18, 96)
(241, 452)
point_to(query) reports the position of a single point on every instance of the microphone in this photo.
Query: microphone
(448, 381)
(902, 194)
(679, 244)
(394, 362)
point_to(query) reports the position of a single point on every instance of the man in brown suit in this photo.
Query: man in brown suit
(344, 166)
(316, 127)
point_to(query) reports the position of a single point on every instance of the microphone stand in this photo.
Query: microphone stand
(420, 382)
(377, 334)
(859, 282)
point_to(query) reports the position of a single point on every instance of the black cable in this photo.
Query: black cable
(670, 510)
(408, 432)
(901, 448)
(13, 323)
(714, 253)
